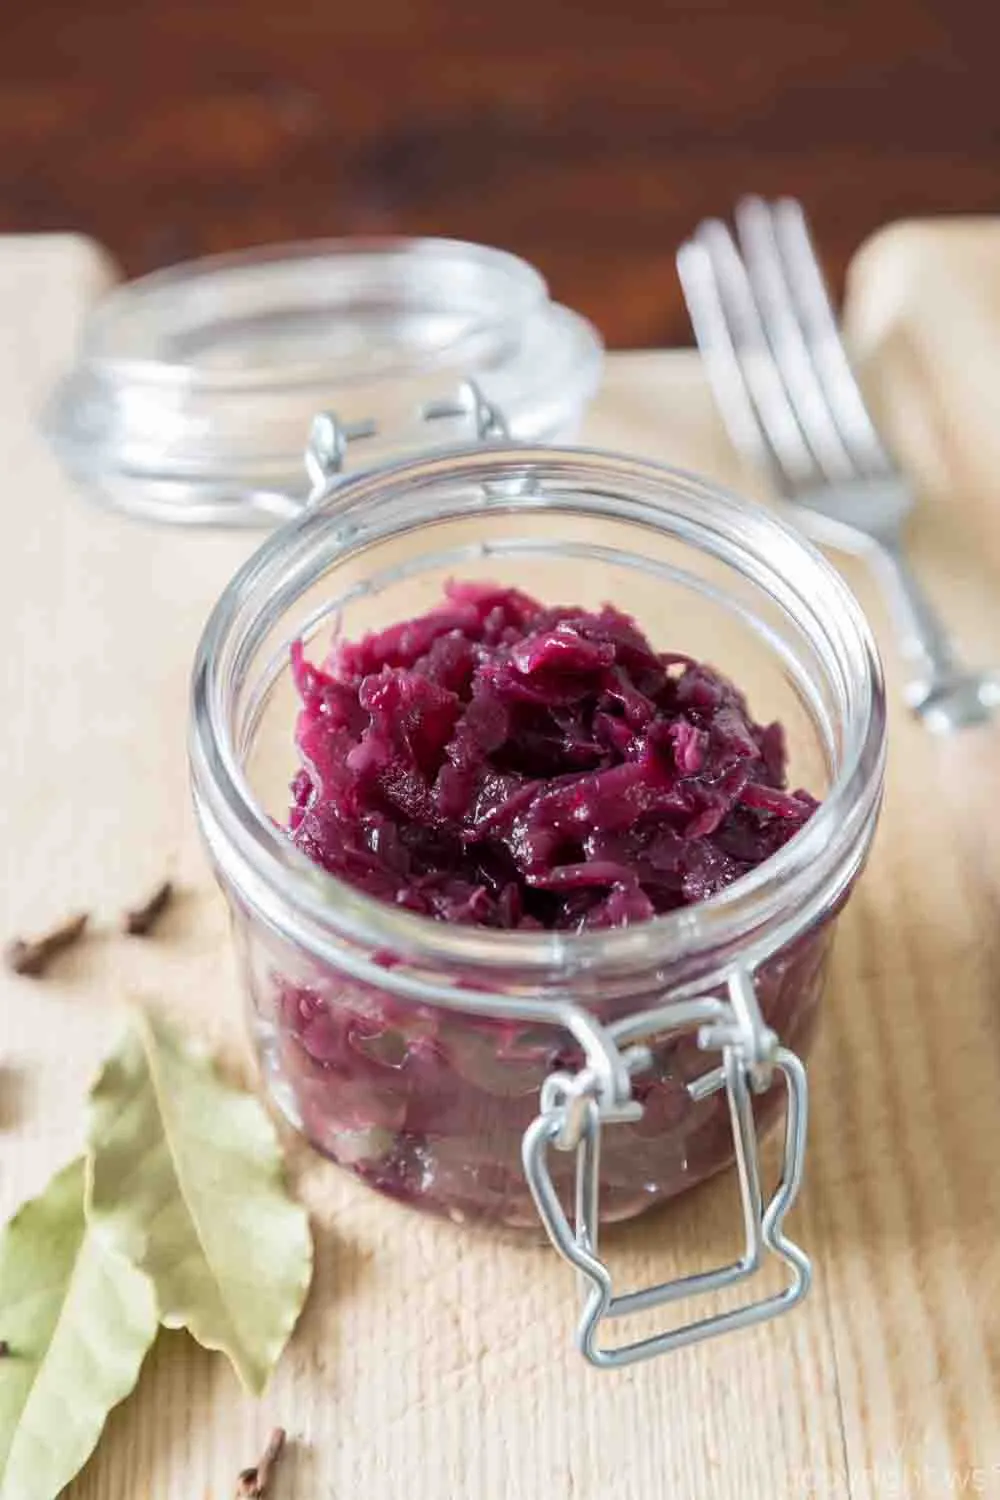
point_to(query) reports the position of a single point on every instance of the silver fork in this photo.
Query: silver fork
(768, 334)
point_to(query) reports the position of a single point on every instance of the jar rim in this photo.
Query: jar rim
(754, 916)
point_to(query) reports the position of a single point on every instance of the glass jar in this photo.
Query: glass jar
(476, 1073)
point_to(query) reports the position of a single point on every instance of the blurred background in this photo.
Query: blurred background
(588, 136)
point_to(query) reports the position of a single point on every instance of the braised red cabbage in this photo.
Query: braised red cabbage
(507, 764)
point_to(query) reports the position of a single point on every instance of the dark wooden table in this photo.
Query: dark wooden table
(587, 135)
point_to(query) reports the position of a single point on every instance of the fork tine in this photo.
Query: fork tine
(791, 456)
(784, 332)
(714, 340)
(819, 323)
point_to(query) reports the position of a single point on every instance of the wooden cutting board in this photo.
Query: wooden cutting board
(436, 1364)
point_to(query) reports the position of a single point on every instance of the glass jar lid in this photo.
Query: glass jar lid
(194, 388)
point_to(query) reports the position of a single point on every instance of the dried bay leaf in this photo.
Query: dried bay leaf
(77, 1320)
(187, 1183)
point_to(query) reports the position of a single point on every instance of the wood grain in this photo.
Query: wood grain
(590, 138)
(435, 1363)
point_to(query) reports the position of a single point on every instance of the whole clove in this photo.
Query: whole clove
(32, 956)
(253, 1482)
(142, 919)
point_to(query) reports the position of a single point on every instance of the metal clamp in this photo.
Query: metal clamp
(489, 422)
(574, 1109)
(329, 437)
(327, 449)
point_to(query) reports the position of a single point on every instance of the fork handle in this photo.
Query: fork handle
(938, 689)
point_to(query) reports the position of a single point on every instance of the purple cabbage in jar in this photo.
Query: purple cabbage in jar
(505, 764)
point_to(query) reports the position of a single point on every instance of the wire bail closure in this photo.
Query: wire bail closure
(329, 437)
(576, 1106)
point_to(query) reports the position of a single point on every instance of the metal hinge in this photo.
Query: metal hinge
(329, 437)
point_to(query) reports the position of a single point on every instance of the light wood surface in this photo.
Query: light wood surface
(435, 1364)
